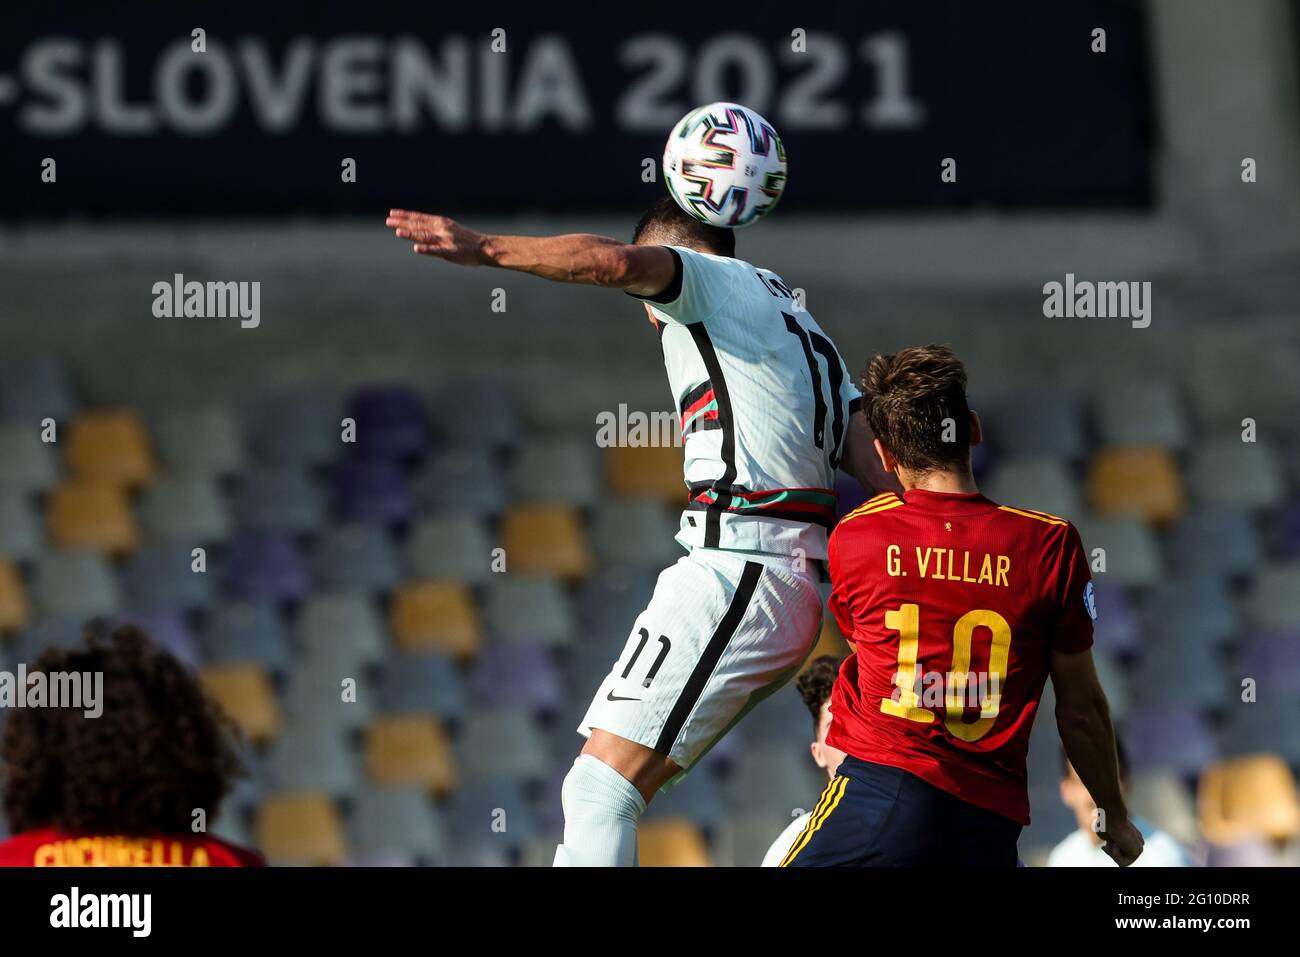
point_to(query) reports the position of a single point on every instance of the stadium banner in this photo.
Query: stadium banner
(266, 108)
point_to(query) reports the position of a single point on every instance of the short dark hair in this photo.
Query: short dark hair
(815, 683)
(158, 752)
(908, 396)
(667, 224)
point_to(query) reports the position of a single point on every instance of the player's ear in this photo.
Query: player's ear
(886, 460)
(976, 431)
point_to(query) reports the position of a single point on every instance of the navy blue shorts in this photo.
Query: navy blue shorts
(872, 815)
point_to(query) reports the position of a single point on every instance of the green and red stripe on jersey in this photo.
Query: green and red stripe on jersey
(813, 505)
(699, 409)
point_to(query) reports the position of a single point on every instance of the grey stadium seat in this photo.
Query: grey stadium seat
(529, 609)
(638, 533)
(1036, 482)
(21, 535)
(185, 509)
(1132, 557)
(205, 441)
(454, 546)
(26, 463)
(1142, 413)
(1228, 471)
(559, 470)
(501, 743)
(77, 585)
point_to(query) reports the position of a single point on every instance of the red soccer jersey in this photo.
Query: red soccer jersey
(954, 604)
(51, 848)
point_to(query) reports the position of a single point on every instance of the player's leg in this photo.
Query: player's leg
(717, 634)
(604, 796)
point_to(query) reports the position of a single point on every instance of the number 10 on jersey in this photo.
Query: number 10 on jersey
(906, 703)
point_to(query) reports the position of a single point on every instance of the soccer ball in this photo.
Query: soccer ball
(725, 165)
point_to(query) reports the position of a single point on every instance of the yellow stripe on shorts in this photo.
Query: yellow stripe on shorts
(830, 800)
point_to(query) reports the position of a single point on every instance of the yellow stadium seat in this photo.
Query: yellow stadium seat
(14, 610)
(648, 472)
(410, 750)
(671, 842)
(304, 829)
(1253, 796)
(436, 615)
(1137, 480)
(111, 448)
(546, 540)
(244, 692)
(85, 516)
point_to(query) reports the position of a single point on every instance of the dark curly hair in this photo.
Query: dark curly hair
(158, 752)
(815, 684)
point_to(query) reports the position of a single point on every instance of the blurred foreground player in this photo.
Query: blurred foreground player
(1083, 847)
(814, 686)
(959, 609)
(767, 411)
(120, 789)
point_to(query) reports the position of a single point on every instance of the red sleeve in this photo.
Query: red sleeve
(839, 600)
(1077, 609)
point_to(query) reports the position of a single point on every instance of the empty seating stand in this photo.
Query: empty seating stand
(405, 620)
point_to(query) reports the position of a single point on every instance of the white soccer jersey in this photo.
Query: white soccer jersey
(764, 401)
(784, 841)
(1159, 850)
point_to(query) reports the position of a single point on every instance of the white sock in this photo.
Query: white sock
(601, 809)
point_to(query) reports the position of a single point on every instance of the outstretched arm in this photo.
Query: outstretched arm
(576, 257)
(1083, 719)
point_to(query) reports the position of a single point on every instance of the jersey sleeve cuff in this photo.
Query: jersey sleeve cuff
(672, 292)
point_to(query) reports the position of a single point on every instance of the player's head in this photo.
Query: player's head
(915, 401)
(667, 224)
(815, 688)
(155, 754)
(1076, 797)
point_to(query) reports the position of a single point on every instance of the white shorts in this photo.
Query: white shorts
(722, 632)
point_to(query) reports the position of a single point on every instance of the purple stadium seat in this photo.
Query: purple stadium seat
(983, 460)
(477, 414)
(1116, 629)
(265, 566)
(1171, 738)
(1273, 659)
(550, 812)
(391, 423)
(372, 492)
(35, 388)
(1286, 530)
(518, 673)
(1250, 852)
(851, 494)
(168, 631)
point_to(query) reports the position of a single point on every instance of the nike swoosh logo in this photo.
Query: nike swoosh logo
(613, 697)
